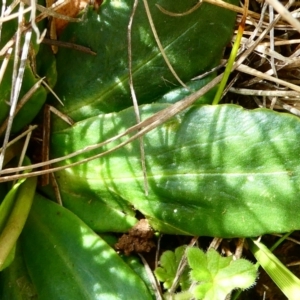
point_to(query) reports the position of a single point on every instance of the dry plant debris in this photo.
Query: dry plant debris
(270, 74)
(70, 9)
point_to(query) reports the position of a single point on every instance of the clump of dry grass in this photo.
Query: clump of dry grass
(269, 76)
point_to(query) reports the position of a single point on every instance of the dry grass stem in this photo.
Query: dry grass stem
(267, 93)
(261, 75)
(5, 63)
(181, 267)
(219, 3)
(14, 15)
(162, 51)
(152, 279)
(25, 146)
(134, 98)
(284, 13)
(21, 103)
(56, 190)
(20, 136)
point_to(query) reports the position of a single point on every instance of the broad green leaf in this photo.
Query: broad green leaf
(222, 274)
(114, 215)
(93, 84)
(288, 283)
(179, 93)
(67, 260)
(138, 267)
(169, 262)
(46, 65)
(213, 170)
(15, 283)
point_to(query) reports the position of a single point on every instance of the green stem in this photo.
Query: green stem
(227, 72)
(232, 56)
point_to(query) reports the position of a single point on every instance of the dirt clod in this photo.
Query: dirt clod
(139, 239)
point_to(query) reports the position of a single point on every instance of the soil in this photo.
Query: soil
(138, 240)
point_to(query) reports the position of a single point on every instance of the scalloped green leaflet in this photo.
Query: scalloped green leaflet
(169, 262)
(67, 260)
(217, 276)
(90, 85)
(214, 170)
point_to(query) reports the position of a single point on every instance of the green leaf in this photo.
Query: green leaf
(60, 249)
(8, 203)
(239, 274)
(213, 170)
(288, 283)
(178, 94)
(217, 275)
(15, 283)
(169, 262)
(16, 220)
(216, 262)
(196, 258)
(46, 64)
(102, 212)
(31, 108)
(90, 85)
(138, 267)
